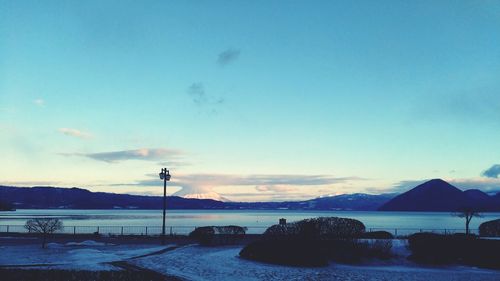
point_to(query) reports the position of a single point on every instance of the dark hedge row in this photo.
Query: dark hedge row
(324, 227)
(315, 242)
(431, 248)
(218, 235)
(490, 228)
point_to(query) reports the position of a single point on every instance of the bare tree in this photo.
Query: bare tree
(43, 226)
(468, 214)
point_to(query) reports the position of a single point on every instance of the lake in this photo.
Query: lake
(183, 221)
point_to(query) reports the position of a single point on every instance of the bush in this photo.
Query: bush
(378, 235)
(323, 227)
(309, 242)
(430, 248)
(287, 251)
(490, 228)
(435, 248)
(218, 235)
(379, 248)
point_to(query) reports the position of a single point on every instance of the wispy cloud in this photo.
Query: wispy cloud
(263, 197)
(261, 180)
(39, 102)
(75, 133)
(228, 56)
(197, 93)
(274, 186)
(492, 172)
(199, 96)
(484, 184)
(145, 154)
(31, 183)
(480, 104)
(401, 186)
(252, 180)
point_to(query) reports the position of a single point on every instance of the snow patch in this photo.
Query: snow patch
(87, 243)
(223, 263)
(60, 256)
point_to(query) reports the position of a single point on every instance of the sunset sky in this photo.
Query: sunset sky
(254, 100)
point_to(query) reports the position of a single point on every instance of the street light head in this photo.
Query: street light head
(165, 174)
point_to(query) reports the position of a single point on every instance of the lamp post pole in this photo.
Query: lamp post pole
(165, 176)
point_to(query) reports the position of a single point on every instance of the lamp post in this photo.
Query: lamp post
(165, 176)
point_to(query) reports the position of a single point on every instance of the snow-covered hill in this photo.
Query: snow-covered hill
(208, 195)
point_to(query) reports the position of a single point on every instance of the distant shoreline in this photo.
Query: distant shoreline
(249, 209)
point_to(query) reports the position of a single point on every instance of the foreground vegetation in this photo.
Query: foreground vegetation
(315, 242)
(437, 249)
(77, 275)
(5, 206)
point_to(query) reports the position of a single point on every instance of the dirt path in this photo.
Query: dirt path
(157, 252)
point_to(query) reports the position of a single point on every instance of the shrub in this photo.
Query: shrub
(324, 227)
(345, 250)
(286, 251)
(309, 242)
(433, 248)
(490, 228)
(217, 235)
(380, 248)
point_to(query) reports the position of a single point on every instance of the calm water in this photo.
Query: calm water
(257, 221)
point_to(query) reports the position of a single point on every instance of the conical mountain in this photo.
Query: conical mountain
(434, 195)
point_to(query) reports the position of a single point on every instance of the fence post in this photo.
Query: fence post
(122, 230)
(146, 231)
(97, 230)
(170, 231)
(7, 228)
(74, 230)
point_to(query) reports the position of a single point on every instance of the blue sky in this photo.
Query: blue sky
(256, 100)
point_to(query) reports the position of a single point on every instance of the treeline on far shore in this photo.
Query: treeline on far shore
(5, 206)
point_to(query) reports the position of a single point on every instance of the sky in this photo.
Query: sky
(253, 100)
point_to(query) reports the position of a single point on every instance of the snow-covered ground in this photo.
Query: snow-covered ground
(222, 263)
(86, 255)
(195, 263)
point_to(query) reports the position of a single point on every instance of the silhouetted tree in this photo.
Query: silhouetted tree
(43, 226)
(468, 214)
(208, 235)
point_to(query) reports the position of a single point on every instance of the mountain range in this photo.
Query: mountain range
(40, 197)
(438, 195)
(434, 195)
